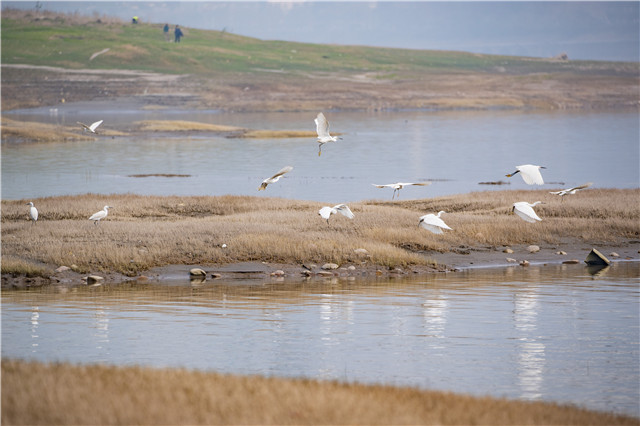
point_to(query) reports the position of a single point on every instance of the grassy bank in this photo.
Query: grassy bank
(34, 393)
(142, 232)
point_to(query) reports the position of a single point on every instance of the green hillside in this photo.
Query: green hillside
(67, 41)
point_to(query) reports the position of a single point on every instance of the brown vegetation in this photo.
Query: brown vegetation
(30, 131)
(34, 393)
(142, 232)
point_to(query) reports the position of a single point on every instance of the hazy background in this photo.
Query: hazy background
(583, 30)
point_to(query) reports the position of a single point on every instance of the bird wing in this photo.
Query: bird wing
(282, 171)
(325, 212)
(83, 125)
(345, 210)
(526, 213)
(34, 213)
(531, 174)
(415, 184)
(95, 125)
(98, 215)
(390, 185)
(431, 222)
(322, 125)
(563, 192)
(430, 227)
(577, 188)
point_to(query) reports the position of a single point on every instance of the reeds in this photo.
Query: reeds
(35, 393)
(142, 232)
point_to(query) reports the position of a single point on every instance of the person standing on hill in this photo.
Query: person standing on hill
(178, 33)
(165, 30)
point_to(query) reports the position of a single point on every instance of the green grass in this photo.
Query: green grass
(69, 40)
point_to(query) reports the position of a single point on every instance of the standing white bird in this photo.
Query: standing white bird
(100, 215)
(91, 128)
(399, 185)
(433, 223)
(322, 128)
(33, 212)
(327, 211)
(525, 211)
(571, 190)
(274, 178)
(530, 174)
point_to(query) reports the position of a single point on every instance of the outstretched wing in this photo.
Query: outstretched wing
(577, 188)
(84, 125)
(344, 210)
(417, 184)
(282, 171)
(95, 125)
(526, 213)
(389, 185)
(325, 212)
(322, 125)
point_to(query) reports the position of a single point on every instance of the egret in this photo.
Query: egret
(91, 128)
(100, 215)
(571, 190)
(322, 128)
(433, 223)
(525, 211)
(33, 212)
(399, 185)
(274, 178)
(530, 174)
(327, 211)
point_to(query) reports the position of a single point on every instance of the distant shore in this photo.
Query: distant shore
(151, 239)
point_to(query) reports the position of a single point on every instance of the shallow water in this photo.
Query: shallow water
(455, 150)
(554, 333)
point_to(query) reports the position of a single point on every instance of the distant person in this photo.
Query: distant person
(134, 20)
(166, 32)
(178, 33)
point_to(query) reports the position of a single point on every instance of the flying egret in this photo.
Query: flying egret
(274, 178)
(91, 128)
(399, 185)
(100, 215)
(571, 190)
(33, 212)
(322, 128)
(327, 211)
(530, 174)
(525, 211)
(433, 223)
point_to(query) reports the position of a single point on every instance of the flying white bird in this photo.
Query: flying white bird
(571, 190)
(274, 178)
(525, 211)
(530, 174)
(33, 212)
(100, 215)
(433, 223)
(322, 128)
(327, 211)
(91, 128)
(398, 186)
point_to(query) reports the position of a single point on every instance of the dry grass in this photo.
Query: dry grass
(29, 131)
(142, 232)
(34, 393)
(194, 126)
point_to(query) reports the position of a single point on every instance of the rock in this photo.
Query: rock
(327, 266)
(306, 273)
(507, 250)
(351, 268)
(278, 273)
(223, 246)
(325, 273)
(561, 253)
(197, 272)
(614, 254)
(63, 268)
(142, 279)
(596, 258)
(216, 275)
(571, 262)
(93, 279)
(533, 249)
(361, 251)
(511, 260)
(378, 272)
(74, 267)
(524, 263)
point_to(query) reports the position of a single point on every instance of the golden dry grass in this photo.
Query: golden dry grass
(184, 126)
(142, 232)
(35, 393)
(29, 131)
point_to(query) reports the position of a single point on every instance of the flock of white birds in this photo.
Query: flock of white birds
(431, 222)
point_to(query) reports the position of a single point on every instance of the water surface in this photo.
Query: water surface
(553, 333)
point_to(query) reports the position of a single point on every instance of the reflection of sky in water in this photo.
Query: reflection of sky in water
(543, 333)
(455, 149)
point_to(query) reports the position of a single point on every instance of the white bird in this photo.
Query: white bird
(433, 223)
(91, 128)
(399, 185)
(525, 211)
(327, 211)
(100, 215)
(33, 212)
(530, 174)
(274, 178)
(571, 190)
(322, 128)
